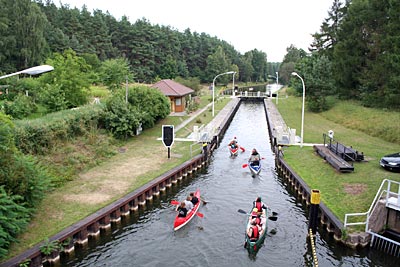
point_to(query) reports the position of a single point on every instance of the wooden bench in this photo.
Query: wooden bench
(333, 159)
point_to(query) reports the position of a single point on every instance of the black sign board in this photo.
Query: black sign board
(168, 135)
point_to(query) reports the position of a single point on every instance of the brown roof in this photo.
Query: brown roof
(171, 88)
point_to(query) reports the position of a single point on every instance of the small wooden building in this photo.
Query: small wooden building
(176, 93)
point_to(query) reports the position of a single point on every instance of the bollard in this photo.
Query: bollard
(314, 207)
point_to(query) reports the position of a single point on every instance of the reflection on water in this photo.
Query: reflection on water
(146, 238)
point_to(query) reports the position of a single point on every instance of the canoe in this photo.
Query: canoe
(179, 222)
(234, 151)
(254, 246)
(255, 169)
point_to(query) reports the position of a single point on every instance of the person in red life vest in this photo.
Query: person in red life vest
(233, 143)
(254, 213)
(253, 232)
(256, 217)
(259, 204)
(181, 209)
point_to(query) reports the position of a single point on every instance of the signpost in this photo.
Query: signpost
(168, 137)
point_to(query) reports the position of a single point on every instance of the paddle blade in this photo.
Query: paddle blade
(274, 213)
(174, 202)
(273, 218)
(245, 165)
(242, 211)
(243, 149)
(201, 215)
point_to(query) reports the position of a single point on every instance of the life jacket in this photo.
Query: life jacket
(255, 233)
(258, 206)
(258, 220)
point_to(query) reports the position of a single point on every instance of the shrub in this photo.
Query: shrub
(39, 135)
(120, 118)
(13, 219)
(21, 107)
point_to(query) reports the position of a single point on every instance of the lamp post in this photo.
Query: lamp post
(276, 87)
(302, 109)
(31, 71)
(233, 84)
(213, 87)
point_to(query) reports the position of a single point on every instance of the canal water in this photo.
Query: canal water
(146, 238)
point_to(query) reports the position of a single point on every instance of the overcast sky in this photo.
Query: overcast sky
(267, 25)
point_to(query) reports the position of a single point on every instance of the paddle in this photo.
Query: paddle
(243, 149)
(246, 165)
(242, 211)
(201, 215)
(204, 202)
(272, 218)
(174, 202)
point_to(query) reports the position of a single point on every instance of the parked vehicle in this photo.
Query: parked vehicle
(391, 162)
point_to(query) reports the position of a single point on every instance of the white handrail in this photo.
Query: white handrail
(378, 196)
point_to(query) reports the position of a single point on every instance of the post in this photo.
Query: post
(233, 85)
(213, 88)
(313, 216)
(302, 109)
(213, 96)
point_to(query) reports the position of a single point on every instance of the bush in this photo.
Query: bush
(13, 219)
(21, 107)
(24, 176)
(53, 98)
(39, 135)
(120, 118)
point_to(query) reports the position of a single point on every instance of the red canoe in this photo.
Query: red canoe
(182, 221)
(234, 151)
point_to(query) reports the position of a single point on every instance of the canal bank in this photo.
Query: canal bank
(327, 219)
(103, 219)
(92, 226)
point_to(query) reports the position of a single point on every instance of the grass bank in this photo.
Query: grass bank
(355, 126)
(133, 164)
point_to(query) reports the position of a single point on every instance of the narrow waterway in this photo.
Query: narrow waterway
(146, 238)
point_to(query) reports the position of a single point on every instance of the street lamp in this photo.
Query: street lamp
(213, 87)
(302, 109)
(233, 84)
(31, 71)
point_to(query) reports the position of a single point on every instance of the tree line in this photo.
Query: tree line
(355, 55)
(31, 30)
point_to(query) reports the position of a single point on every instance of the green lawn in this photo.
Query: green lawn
(354, 126)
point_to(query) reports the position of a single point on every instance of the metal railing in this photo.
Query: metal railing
(381, 194)
(385, 244)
